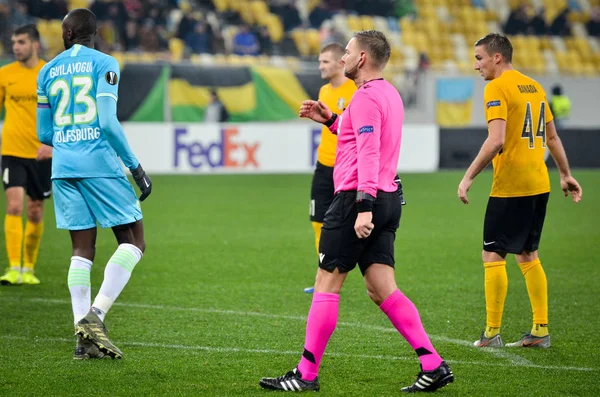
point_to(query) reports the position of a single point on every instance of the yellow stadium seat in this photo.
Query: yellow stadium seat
(56, 27)
(367, 22)
(301, 41)
(405, 24)
(354, 23)
(426, 12)
(43, 26)
(246, 12)
(259, 10)
(73, 4)
(514, 4)
(490, 15)
(312, 4)
(314, 40)
(177, 48)
(275, 27)
(221, 5)
(235, 5)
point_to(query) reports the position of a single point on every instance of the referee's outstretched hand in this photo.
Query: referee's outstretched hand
(315, 110)
(143, 181)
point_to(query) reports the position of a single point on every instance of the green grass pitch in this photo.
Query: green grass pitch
(217, 301)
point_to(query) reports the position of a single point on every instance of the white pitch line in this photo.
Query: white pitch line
(513, 358)
(217, 349)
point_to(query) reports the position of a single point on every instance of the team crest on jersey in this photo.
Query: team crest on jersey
(111, 78)
(341, 103)
(492, 104)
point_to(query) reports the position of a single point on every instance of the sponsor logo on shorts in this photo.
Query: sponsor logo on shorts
(321, 257)
(490, 243)
(47, 194)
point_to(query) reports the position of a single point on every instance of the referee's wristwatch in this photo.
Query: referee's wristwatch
(364, 201)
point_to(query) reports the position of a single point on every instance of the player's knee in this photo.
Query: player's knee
(35, 213)
(85, 252)
(14, 208)
(527, 256)
(375, 297)
(141, 245)
(487, 256)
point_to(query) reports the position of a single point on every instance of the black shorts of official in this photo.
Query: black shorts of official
(340, 247)
(514, 224)
(32, 175)
(321, 192)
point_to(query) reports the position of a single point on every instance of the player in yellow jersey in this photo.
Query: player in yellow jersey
(26, 163)
(336, 95)
(520, 127)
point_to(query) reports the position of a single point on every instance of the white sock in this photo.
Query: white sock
(80, 286)
(116, 275)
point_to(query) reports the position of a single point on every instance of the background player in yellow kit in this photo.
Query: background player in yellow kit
(336, 94)
(26, 163)
(520, 126)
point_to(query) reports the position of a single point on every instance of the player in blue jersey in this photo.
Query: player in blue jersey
(77, 115)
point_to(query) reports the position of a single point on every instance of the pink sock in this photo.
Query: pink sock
(404, 316)
(322, 319)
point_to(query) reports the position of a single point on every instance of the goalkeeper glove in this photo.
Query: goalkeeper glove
(143, 181)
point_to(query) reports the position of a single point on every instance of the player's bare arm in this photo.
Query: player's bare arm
(489, 149)
(567, 182)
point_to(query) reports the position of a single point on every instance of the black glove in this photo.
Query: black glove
(143, 181)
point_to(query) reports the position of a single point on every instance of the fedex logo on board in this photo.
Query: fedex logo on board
(228, 151)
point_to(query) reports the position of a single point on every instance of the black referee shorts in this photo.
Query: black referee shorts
(514, 224)
(321, 192)
(32, 175)
(340, 247)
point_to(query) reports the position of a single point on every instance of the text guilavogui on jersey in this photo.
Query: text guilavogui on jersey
(70, 68)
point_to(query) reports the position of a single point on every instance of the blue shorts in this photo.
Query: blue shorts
(80, 203)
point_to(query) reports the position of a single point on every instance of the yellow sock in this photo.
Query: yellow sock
(13, 230)
(317, 228)
(33, 237)
(537, 288)
(490, 332)
(496, 287)
(540, 330)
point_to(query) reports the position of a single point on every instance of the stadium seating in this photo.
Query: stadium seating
(442, 30)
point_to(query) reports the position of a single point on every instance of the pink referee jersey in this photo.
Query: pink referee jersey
(369, 135)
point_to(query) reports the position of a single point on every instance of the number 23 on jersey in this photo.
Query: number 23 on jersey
(62, 117)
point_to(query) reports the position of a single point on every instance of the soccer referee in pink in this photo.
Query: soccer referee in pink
(360, 225)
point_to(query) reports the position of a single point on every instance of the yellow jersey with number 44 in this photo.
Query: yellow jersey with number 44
(337, 100)
(519, 167)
